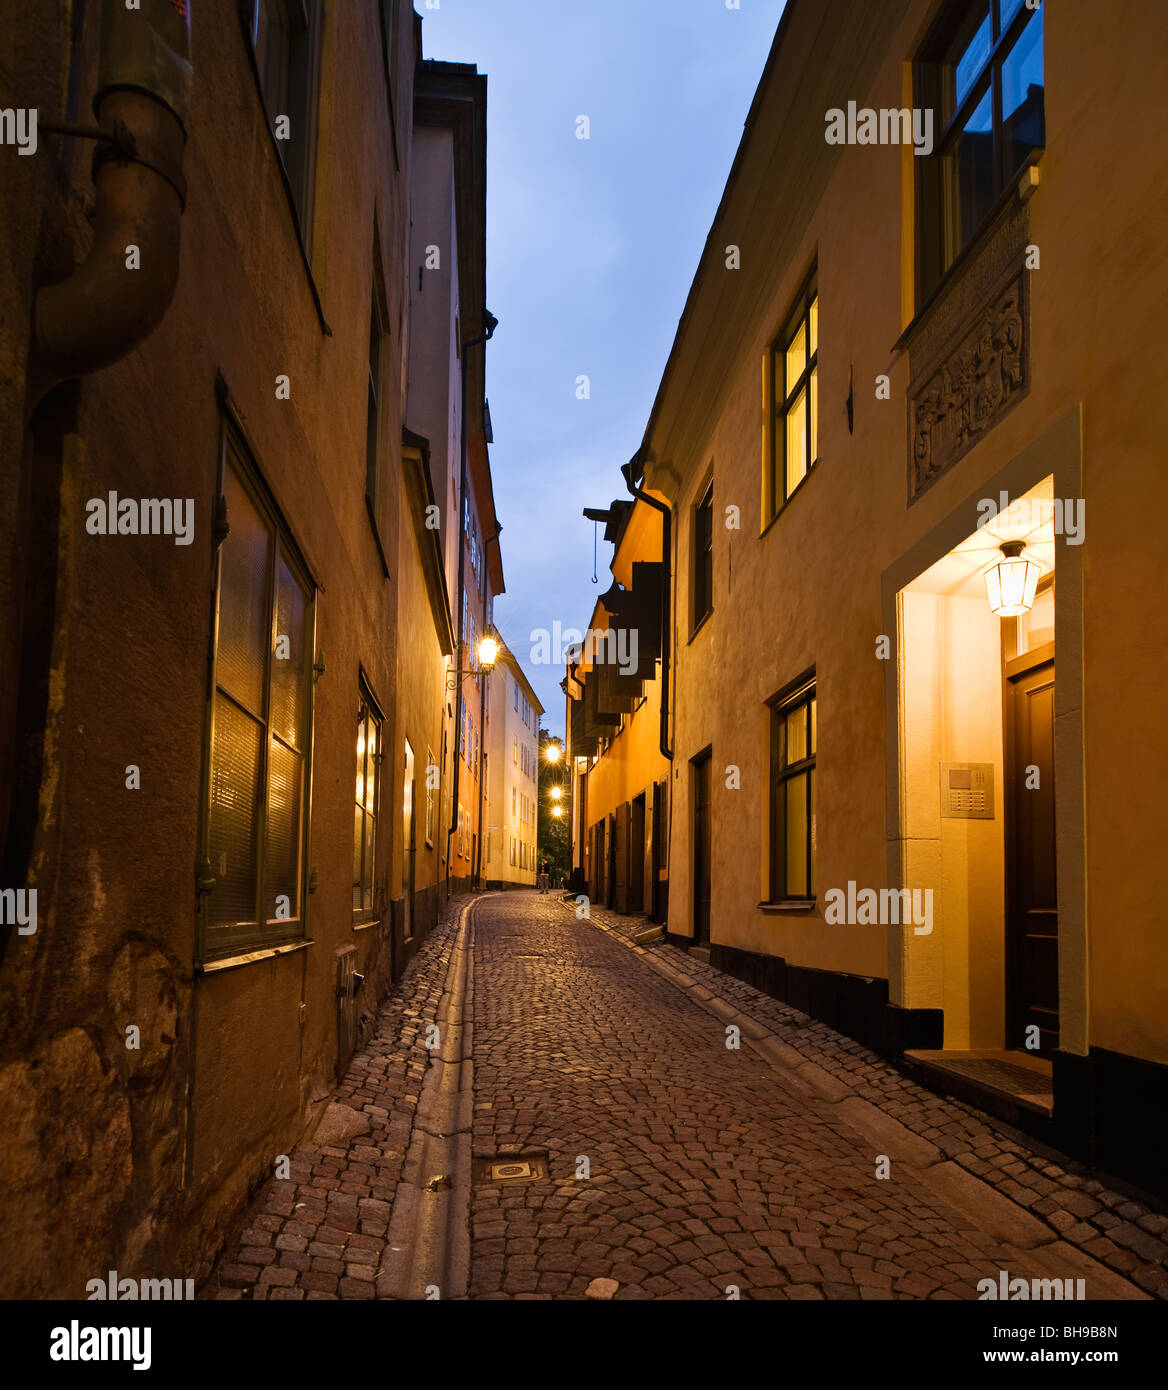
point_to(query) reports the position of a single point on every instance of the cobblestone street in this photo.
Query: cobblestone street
(676, 1167)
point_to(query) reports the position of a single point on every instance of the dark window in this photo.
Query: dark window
(981, 74)
(370, 756)
(389, 39)
(703, 565)
(793, 795)
(286, 37)
(795, 377)
(373, 418)
(261, 727)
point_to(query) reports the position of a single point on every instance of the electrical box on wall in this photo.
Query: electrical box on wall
(967, 791)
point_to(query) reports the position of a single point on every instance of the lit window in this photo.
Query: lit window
(261, 727)
(793, 838)
(369, 759)
(795, 376)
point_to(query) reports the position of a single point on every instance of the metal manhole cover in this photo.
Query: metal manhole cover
(510, 1170)
(520, 1168)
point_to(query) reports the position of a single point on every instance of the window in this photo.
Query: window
(261, 726)
(462, 733)
(512, 849)
(516, 694)
(285, 36)
(389, 40)
(369, 760)
(431, 798)
(795, 377)
(515, 748)
(703, 562)
(514, 794)
(981, 74)
(374, 429)
(793, 795)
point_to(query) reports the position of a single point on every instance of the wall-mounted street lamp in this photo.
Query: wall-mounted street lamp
(552, 752)
(487, 652)
(1011, 583)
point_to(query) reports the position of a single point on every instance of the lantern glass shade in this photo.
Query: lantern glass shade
(488, 653)
(1011, 585)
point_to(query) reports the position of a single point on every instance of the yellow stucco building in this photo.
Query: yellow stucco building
(615, 731)
(916, 360)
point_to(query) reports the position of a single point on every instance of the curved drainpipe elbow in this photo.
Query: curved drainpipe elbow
(630, 471)
(106, 308)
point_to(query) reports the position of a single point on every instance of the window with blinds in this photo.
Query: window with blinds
(370, 756)
(260, 729)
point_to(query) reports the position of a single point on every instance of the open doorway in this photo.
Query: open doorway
(975, 693)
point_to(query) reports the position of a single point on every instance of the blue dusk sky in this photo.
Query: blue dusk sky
(591, 249)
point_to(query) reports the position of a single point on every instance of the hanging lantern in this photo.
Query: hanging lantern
(1011, 583)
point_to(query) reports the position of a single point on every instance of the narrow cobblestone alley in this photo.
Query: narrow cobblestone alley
(676, 1167)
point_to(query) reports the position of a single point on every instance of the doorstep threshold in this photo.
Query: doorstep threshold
(1000, 1081)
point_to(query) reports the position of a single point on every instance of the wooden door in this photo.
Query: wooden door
(701, 850)
(1031, 878)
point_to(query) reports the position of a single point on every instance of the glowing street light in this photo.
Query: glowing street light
(552, 753)
(557, 792)
(488, 653)
(557, 811)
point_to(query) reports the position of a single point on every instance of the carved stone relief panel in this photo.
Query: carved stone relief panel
(969, 356)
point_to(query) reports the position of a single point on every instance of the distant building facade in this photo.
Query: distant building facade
(619, 774)
(513, 805)
(449, 326)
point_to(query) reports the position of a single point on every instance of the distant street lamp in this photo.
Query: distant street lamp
(557, 792)
(552, 752)
(557, 811)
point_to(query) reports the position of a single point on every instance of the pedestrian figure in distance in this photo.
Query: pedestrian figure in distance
(544, 877)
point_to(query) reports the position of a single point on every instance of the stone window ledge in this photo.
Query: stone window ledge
(213, 967)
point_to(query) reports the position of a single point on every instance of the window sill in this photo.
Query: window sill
(788, 905)
(213, 967)
(1009, 197)
(790, 497)
(369, 922)
(705, 618)
(373, 526)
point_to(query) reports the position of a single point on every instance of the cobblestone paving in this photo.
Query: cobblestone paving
(320, 1234)
(707, 1168)
(1126, 1235)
